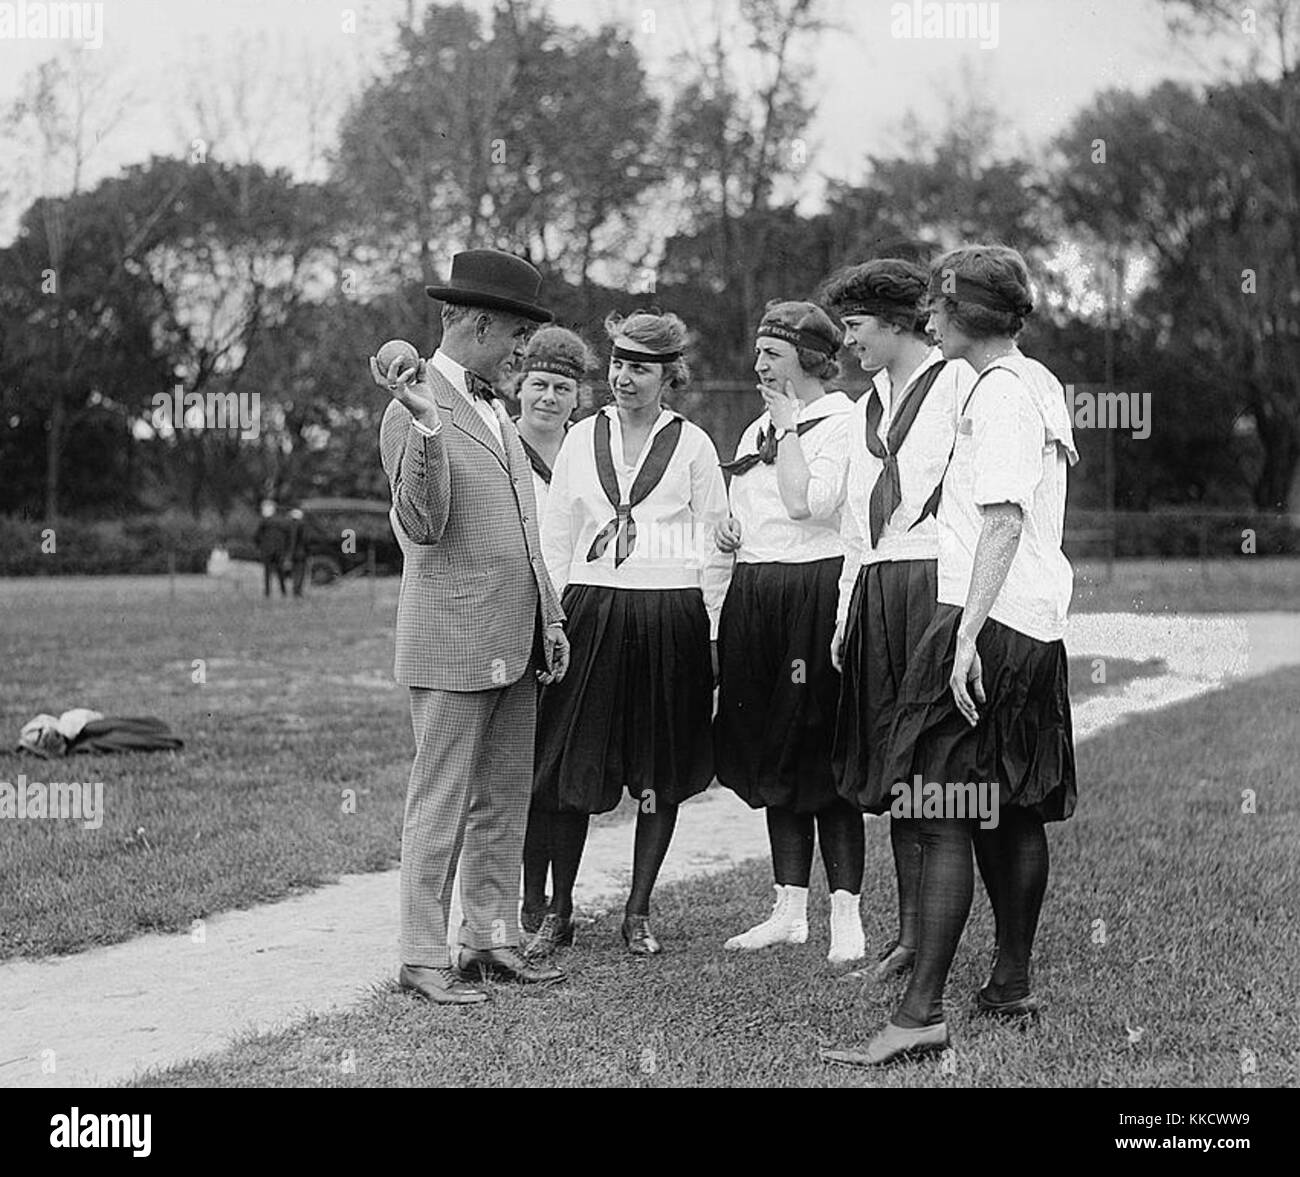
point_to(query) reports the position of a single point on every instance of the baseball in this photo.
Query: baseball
(396, 349)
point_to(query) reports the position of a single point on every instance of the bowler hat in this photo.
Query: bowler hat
(494, 279)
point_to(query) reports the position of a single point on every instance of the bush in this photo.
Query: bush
(141, 545)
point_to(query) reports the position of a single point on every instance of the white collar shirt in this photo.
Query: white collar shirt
(455, 374)
(674, 524)
(1012, 448)
(922, 459)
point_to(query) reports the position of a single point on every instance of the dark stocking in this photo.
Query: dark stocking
(947, 884)
(654, 831)
(1013, 863)
(791, 835)
(537, 857)
(568, 839)
(905, 839)
(843, 839)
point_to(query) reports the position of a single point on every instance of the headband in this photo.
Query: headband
(876, 307)
(975, 292)
(556, 366)
(799, 337)
(645, 357)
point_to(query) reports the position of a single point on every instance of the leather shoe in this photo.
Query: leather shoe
(441, 986)
(894, 961)
(892, 1044)
(506, 964)
(638, 937)
(1021, 1007)
(555, 932)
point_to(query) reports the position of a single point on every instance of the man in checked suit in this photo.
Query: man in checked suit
(478, 623)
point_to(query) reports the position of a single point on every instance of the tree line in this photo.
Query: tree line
(1163, 227)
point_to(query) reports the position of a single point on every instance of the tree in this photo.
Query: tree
(76, 342)
(1224, 283)
(172, 273)
(1261, 152)
(533, 139)
(733, 145)
(64, 110)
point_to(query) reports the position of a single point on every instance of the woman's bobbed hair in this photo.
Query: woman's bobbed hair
(998, 268)
(893, 287)
(655, 330)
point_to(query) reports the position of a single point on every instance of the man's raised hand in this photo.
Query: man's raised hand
(407, 382)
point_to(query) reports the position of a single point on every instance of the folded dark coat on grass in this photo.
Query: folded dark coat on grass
(100, 734)
(119, 733)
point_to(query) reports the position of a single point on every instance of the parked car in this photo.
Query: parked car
(341, 533)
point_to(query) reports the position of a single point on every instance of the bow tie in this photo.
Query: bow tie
(479, 388)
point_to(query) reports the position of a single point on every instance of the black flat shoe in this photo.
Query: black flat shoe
(896, 960)
(555, 932)
(1021, 1007)
(638, 937)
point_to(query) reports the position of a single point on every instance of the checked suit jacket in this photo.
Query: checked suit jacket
(475, 591)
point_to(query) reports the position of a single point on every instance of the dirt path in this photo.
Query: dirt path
(101, 1016)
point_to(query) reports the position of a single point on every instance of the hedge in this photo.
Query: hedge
(1172, 534)
(140, 545)
(135, 546)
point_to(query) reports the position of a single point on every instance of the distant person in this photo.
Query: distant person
(478, 625)
(272, 542)
(297, 549)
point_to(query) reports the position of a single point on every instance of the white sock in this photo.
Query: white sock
(848, 941)
(788, 923)
(797, 897)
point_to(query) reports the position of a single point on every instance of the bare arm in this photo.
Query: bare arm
(710, 508)
(792, 473)
(999, 539)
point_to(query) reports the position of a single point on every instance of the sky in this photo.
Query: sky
(1040, 62)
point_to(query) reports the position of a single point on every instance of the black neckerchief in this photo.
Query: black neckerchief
(888, 491)
(767, 445)
(535, 460)
(623, 526)
(932, 503)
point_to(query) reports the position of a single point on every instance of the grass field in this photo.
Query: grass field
(298, 705)
(1165, 956)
